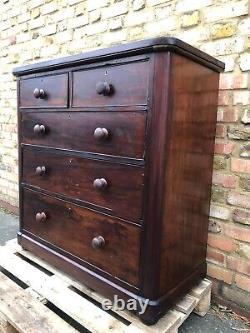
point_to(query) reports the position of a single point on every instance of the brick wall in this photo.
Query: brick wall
(35, 30)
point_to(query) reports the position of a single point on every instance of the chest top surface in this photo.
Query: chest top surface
(159, 44)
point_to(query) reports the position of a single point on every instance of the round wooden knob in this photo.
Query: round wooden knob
(103, 88)
(39, 93)
(40, 170)
(39, 129)
(41, 217)
(100, 184)
(101, 133)
(98, 242)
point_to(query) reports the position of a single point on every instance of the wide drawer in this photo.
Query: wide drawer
(116, 188)
(111, 133)
(103, 241)
(44, 91)
(125, 84)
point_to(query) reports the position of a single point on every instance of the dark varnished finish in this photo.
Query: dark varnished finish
(134, 185)
(118, 85)
(76, 131)
(44, 91)
(121, 240)
(152, 45)
(188, 171)
(74, 176)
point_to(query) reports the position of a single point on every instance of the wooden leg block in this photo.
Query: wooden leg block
(203, 306)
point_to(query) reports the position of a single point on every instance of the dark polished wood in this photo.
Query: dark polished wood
(146, 46)
(44, 91)
(74, 177)
(105, 242)
(111, 85)
(188, 170)
(82, 131)
(116, 166)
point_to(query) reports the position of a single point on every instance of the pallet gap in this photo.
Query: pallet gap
(34, 264)
(95, 302)
(13, 278)
(66, 318)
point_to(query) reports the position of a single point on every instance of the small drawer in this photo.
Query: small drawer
(115, 188)
(110, 133)
(111, 85)
(44, 91)
(98, 239)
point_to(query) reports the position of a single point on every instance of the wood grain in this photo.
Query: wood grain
(155, 101)
(75, 131)
(129, 85)
(55, 87)
(73, 176)
(119, 256)
(188, 172)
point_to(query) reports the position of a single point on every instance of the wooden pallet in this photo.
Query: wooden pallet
(35, 297)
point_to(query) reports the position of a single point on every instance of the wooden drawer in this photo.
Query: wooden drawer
(73, 176)
(79, 131)
(74, 229)
(44, 91)
(111, 85)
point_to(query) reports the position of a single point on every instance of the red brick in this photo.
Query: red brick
(227, 115)
(219, 273)
(241, 216)
(240, 165)
(12, 39)
(240, 81)
(238, 265)
(238, 199)
(224, 180)
(220, 131)
(215, 256)
(225, 147)
(237, 232)
(234, 295)
(243, 282)
(233, 81)
(221, 242)
(224, 98)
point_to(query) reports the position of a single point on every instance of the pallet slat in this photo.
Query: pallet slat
(56, 291)
(58, 287)
(5, 326)
(26, 314)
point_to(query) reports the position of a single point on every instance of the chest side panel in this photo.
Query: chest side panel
(188, 173)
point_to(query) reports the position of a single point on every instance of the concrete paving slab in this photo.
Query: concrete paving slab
(8, 226)
(214, 322)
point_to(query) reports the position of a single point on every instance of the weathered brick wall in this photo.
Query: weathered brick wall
(35, 30)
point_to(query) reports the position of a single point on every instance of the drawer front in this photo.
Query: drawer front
(111, 85)
(111, 133)
(84, 179)
(44, 91)
(98, 239)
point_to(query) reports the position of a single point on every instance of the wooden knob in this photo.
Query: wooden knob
(39, 129)
(103, 88)
(98, 242)
(39, 93)
(100, 184)
(41, 217)
(40, 170)
(101, 133)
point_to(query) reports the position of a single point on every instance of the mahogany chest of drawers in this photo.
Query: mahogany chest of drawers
(116, 150)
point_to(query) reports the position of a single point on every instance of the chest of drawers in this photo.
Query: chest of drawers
(116, 151)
